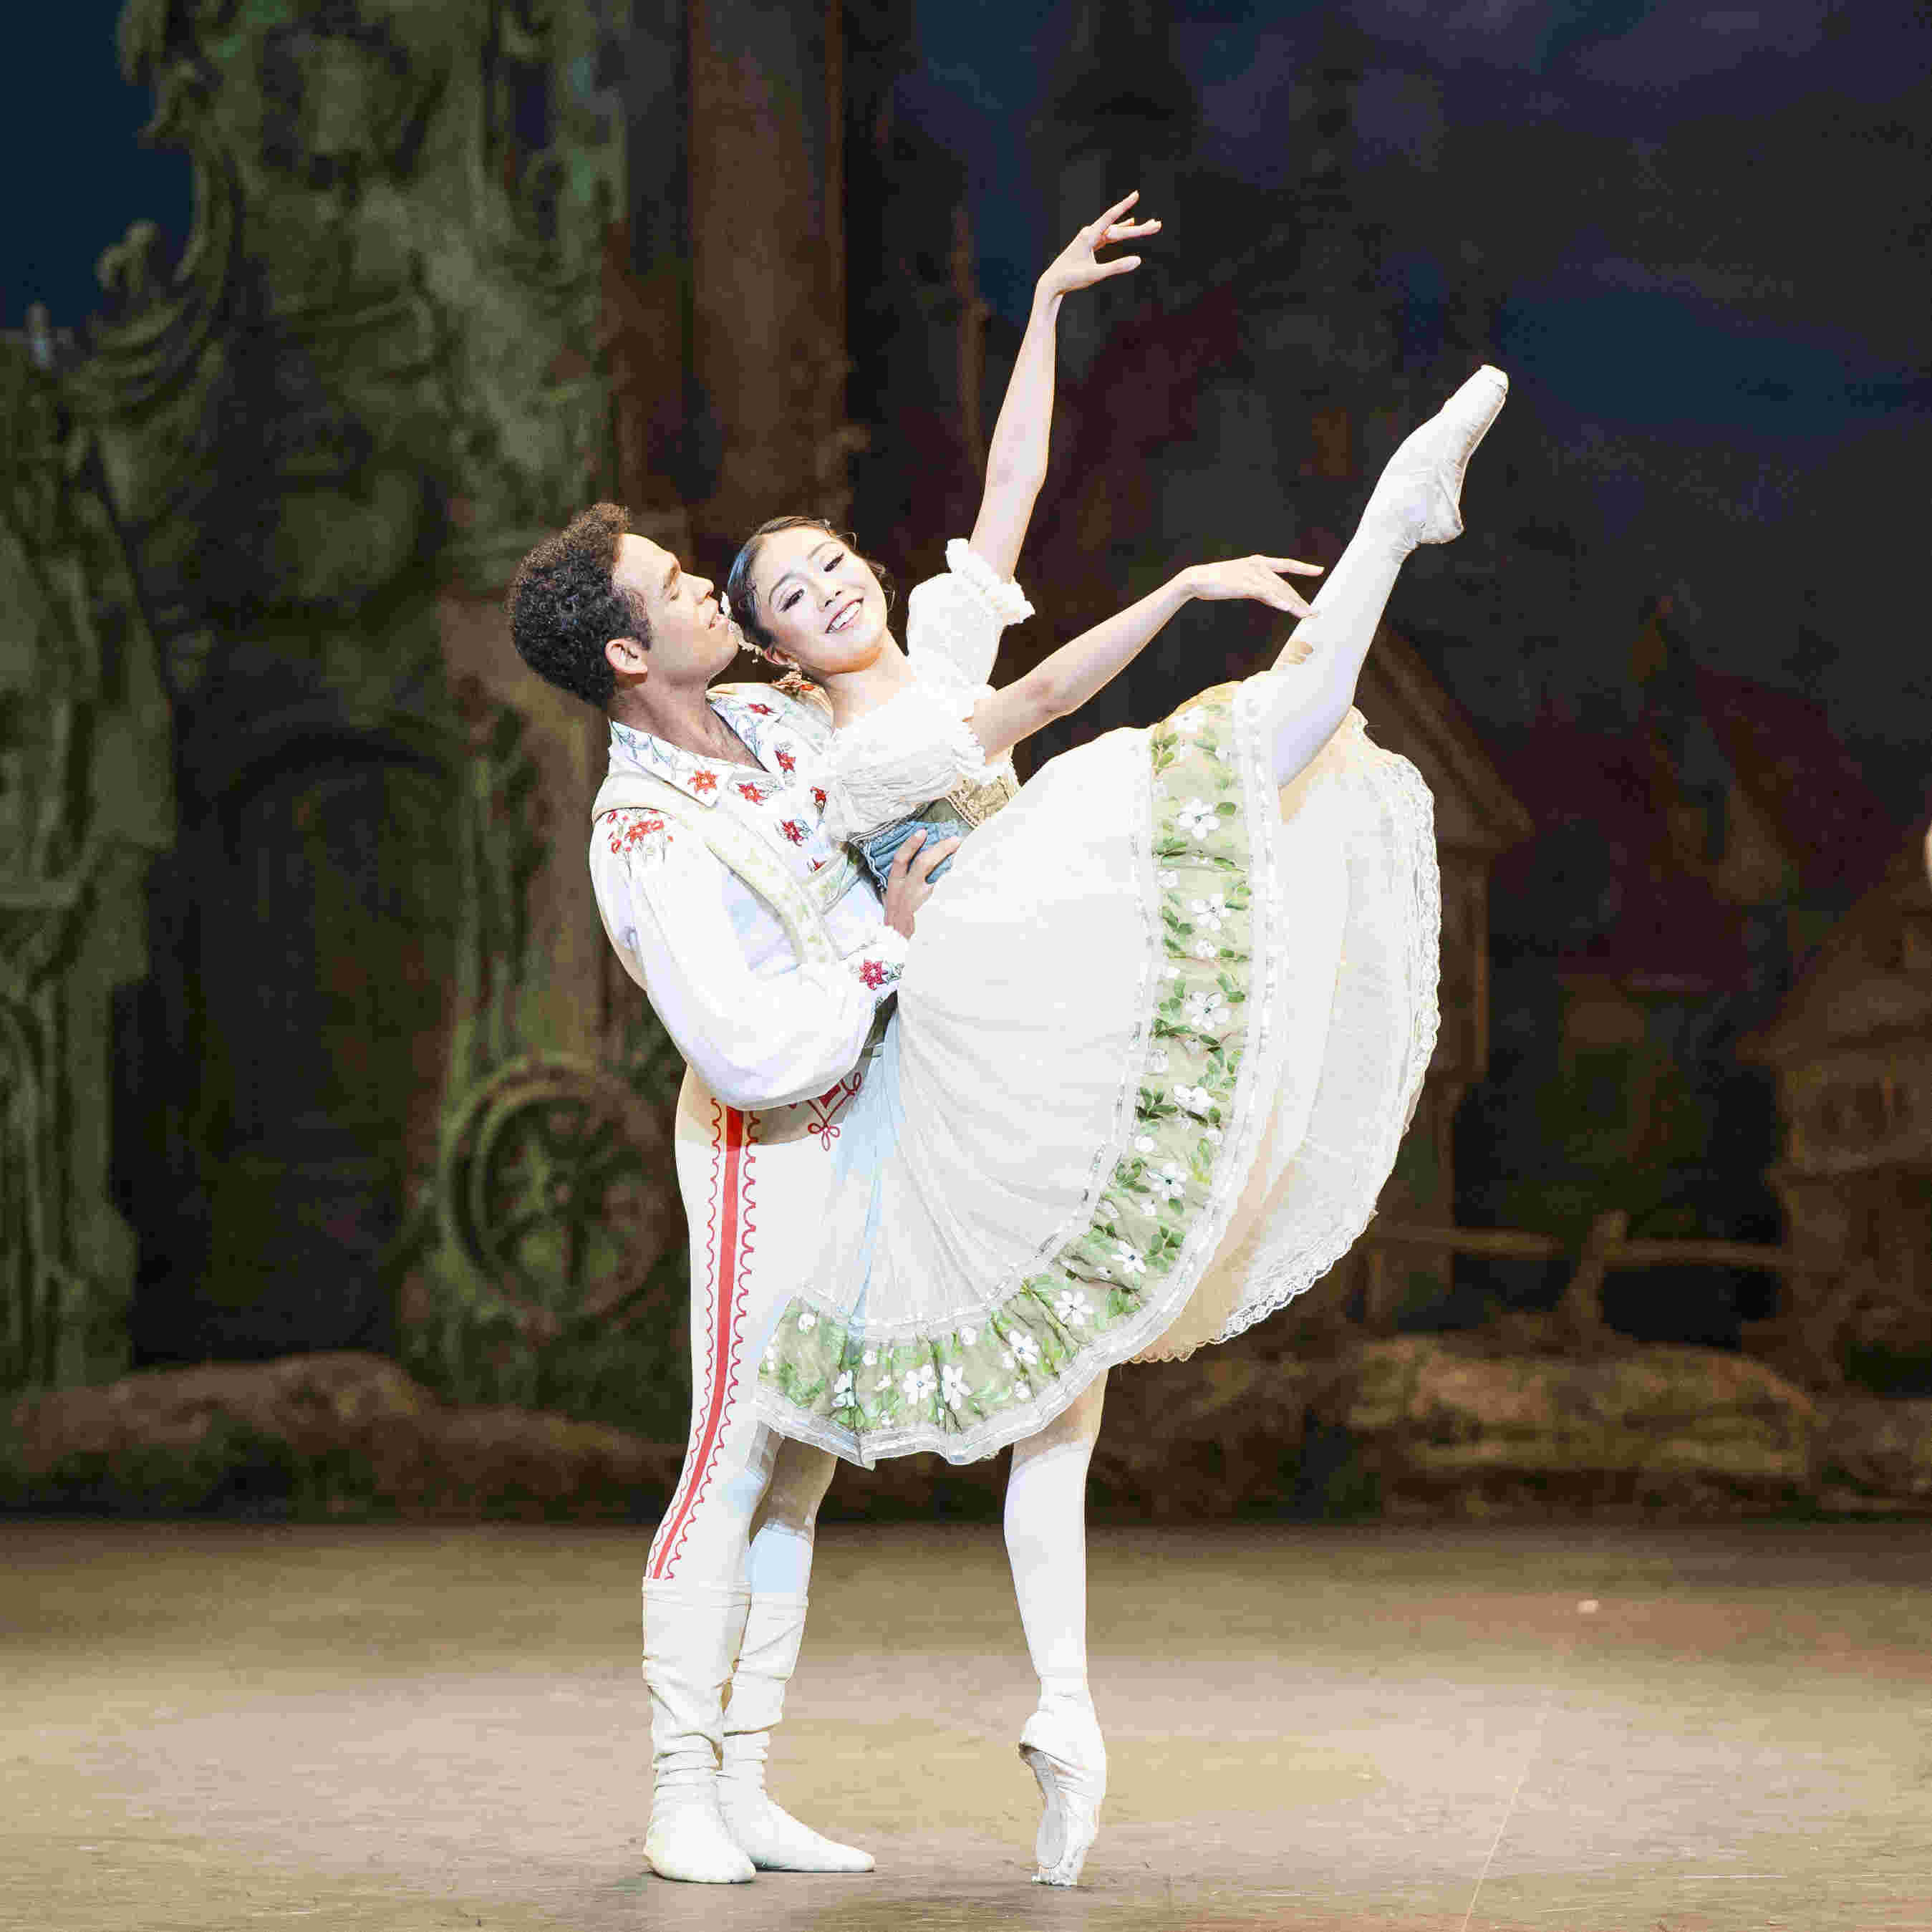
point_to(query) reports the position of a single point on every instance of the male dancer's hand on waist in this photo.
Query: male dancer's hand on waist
(909, 884)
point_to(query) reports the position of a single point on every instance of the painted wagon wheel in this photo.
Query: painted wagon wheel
(558, 1188)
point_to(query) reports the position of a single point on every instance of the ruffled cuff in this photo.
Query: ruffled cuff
(880, 961)
(1004, 598)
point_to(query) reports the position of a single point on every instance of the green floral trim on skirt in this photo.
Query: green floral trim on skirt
(1108, 1273)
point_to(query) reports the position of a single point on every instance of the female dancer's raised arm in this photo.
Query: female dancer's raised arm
(1016, 458)
(1064, 682)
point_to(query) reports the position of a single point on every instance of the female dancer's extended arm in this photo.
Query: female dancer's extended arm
(1016, 458)
(1064, 682)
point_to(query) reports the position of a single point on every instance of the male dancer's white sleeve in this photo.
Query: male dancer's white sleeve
(756, 1038)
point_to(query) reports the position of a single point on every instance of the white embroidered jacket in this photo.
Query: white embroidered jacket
(761, 946)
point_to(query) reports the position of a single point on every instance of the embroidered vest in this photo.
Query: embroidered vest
(742, 841)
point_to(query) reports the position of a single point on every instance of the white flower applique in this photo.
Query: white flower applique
(1197, 1100)
(1075, 1310)
(1206, 1010)
(1128, 1258)
(953, 1385)
(919, 1385)
(1211, 912)
(1197, 818)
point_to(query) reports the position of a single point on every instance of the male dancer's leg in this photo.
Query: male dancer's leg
(1046, 1544)
(1416, 500)
(744, 1188)
(779, 1574)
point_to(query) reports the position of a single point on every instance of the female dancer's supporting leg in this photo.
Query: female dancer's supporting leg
(1046, 1544)
(1417, 499)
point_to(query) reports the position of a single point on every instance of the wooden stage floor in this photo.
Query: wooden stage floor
(208, 1725)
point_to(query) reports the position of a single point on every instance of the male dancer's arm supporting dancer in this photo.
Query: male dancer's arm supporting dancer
(710, 870)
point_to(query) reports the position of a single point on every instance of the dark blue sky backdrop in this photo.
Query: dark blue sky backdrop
(1714, 222)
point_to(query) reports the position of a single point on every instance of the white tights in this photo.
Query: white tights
(1046, 1545)
(1417, 499)
(755, 1529)
(1314, 696)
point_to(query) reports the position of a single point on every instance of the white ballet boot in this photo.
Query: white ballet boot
(692, 1634)
(1418, 497)
(1063, 1749)
(769, 1836)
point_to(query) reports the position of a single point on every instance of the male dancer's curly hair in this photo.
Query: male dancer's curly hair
(563, 607)
(745, 600)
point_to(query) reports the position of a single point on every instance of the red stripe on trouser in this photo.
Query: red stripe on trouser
(724, 1339)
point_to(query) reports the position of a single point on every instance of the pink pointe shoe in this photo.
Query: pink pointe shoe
(1064, 1751)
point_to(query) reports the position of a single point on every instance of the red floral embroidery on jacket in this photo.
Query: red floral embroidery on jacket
(785, 762)
(628, 832)
(876, 973)
(818, 796)
(763, 710)
(751, 792)
(704, 781)
(793, 831)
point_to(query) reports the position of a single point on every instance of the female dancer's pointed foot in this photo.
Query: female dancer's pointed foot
(1420, 493)
(1064, 1750)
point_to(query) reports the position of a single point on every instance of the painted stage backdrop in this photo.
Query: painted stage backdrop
(311, 1045)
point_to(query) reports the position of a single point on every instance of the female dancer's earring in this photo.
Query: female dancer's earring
(750, 644)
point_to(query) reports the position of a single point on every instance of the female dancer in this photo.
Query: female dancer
(1159, 1032)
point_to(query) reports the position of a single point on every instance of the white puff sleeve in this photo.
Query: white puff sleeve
(958, 617)
(756, 1039)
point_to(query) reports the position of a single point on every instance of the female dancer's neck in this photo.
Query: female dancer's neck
(854, 693)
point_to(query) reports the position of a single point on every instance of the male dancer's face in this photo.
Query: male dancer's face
(691, 642)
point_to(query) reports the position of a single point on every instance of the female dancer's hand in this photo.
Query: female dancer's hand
(1074, 266)
(908, 886)
(1257, 578)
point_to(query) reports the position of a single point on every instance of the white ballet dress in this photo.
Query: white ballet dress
(1160, 1029)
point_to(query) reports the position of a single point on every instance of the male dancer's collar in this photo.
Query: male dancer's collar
(702, 778)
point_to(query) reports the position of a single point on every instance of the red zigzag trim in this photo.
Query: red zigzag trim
(726, 1244)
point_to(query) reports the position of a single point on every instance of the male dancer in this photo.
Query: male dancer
(767, 952)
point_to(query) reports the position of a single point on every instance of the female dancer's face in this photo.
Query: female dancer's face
(821, 602)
